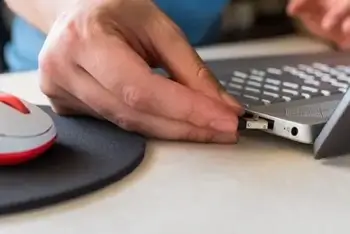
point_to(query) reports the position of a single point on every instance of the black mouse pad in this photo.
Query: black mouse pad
(89, 154)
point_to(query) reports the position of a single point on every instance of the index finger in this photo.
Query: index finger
(166, 98)
(184, 64)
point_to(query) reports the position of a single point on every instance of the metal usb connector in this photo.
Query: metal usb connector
(252, 123)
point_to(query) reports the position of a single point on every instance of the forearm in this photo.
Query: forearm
(40, 13)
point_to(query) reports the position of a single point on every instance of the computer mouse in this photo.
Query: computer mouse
(26, 131)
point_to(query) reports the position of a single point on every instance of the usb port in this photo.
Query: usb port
(256, 124)
(270, 123)
(250, 121)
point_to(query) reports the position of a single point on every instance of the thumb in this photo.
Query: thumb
(184, 65)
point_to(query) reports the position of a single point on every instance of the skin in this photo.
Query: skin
(97, 61)
(328, 19)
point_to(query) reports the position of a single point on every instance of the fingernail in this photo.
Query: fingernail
(224, 126)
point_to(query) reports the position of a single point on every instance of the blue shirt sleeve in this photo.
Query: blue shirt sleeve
(199, 19)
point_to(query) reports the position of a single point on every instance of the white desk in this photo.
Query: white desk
(261, 185)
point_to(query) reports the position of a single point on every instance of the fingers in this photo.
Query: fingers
(167, 129)
(346, 25)
(294, 6)
(117, 109)
(183, 63)
(171, 100)
(138, 88)
(104, 76)
(111, 107)
(334, 17)
(314, 27)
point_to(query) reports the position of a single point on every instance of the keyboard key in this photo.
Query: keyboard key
(271, 87)
(254, 90)
(287, 99)
(238, 80)
(344, 78)
(251, 97)
(312, 82)
(273, 81)
(274, 71)
(334, 72)
(236, 86)
(240, 74)
(289, 91)
(309, 89)
(341, 67)
(342, 90)
(326, 92)
(322, 67)
(266, 102)
(304, 76)
(290, 85)
(304, 67)
(270, 94)
(288, 68)
(319, 74)
(341, 85)
(306, 95)
(257, 72)
(253, 83)
(256, 78)
(310, 95)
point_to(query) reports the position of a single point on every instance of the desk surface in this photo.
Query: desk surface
(261, 185)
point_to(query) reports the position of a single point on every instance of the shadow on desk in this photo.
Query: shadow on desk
(342, 161)
(338, 162)
(269, 139)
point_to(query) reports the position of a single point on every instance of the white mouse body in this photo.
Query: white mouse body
(26, 131)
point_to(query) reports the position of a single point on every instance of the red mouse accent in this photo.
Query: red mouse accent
(22, 157)
(14, 102)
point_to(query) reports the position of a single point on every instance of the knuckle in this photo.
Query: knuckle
(47, 86)
(191, 135)
(70, 36)
(60, 109)
(49, 75)
(47, 64)
(198, 135)
(125, 122)
(121, 118)
(203, 71)
(132, 96)
(194, 114)
(178, 30)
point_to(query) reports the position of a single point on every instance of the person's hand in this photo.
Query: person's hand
(97, 61)
(328, 19)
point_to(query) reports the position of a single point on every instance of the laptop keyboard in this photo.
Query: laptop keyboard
(287, 83)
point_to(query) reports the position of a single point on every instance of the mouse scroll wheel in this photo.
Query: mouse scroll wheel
(14, 102)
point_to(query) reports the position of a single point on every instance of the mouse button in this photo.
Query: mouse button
(23, 125)
(14, 102)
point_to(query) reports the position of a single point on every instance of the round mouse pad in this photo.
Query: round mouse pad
(89, 154)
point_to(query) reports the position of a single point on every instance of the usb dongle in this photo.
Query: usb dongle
(252, 123)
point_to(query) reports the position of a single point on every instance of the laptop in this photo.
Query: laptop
(295, 94)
